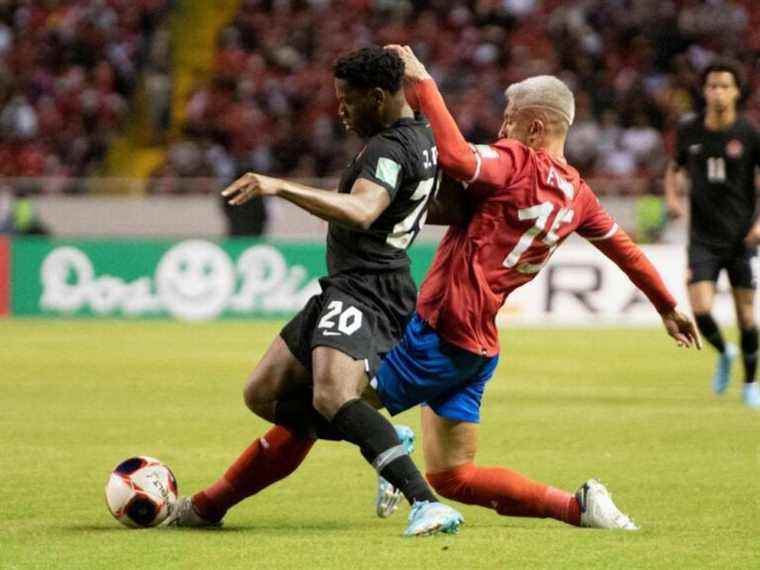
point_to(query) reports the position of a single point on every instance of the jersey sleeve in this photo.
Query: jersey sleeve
(496, 165)
(632, 261)
(595, 223)
(383, 163)
(455, 156)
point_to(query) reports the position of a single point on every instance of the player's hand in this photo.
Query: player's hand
(250, 185)
(752, 239)
(682, 328)
(675, 208)
(413, 68)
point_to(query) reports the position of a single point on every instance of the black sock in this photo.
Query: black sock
(298, 414)
(710, 331)
(364, 426)
(749, 353)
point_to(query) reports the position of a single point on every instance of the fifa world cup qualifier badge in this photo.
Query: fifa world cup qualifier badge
(734, 148)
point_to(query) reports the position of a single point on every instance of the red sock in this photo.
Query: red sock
(506, 491)
(267, 460)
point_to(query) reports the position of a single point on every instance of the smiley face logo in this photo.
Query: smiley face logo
(195, 280)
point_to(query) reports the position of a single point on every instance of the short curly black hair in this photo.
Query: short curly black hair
(370, 67)
(728, 66)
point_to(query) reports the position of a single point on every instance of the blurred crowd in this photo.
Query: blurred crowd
(68, 70)
(633, 64)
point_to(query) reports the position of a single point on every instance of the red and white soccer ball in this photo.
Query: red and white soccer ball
(141, 491)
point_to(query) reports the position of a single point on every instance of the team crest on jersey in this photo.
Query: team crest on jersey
(734, 148)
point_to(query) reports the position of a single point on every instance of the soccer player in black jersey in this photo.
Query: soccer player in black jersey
(719, 151)
(311, 379)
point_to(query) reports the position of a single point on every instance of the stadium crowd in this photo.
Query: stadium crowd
(634, 65)
(68, 69)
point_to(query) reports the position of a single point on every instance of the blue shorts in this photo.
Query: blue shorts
(424, 369)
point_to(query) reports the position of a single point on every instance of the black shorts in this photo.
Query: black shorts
(706, 263)
(362, 316)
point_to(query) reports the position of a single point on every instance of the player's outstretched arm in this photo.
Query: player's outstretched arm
(455, 155)
(358, 209)
(672, 186)
(629, 257)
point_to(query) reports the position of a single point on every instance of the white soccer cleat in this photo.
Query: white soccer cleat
(388, 496)
(751, 395)
(598, 510)
(184, 515)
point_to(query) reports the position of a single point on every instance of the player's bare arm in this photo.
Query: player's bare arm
(673, 183)
(752, 239)
(635, 264)
(357, 209)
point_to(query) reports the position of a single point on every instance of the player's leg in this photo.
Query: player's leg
(450, 447)
(704, 267)
(280, 376)
(267, 459)
(743, 288)
(701, 298)
(277, 375)
(450, 426)
(420, 368)
(339, 381)
(279, 391)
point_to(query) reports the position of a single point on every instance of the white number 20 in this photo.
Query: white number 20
(349, 321)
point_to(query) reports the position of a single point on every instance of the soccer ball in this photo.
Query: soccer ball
(141, 491)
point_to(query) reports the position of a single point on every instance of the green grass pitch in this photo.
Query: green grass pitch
(623, 405)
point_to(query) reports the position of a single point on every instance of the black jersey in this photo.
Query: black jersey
(402, 159)
(721, 167)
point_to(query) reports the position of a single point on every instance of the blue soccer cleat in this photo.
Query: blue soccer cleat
(429, 518)
(388, 497)
(751, 395)
(722, 376)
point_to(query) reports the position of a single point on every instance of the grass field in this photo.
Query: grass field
(76, 397)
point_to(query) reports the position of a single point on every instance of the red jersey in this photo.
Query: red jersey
(526, 204)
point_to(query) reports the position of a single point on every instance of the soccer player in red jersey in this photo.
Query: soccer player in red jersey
(526, 200)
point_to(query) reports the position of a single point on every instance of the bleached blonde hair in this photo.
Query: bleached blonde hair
(545, 93)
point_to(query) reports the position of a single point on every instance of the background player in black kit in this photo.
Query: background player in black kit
(366, 300)
(719, 151)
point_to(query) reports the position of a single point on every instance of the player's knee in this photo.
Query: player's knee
(327, 401)
(251, 398)
(453, 483)
(746, 318)
(330, 395)
(258, 395)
